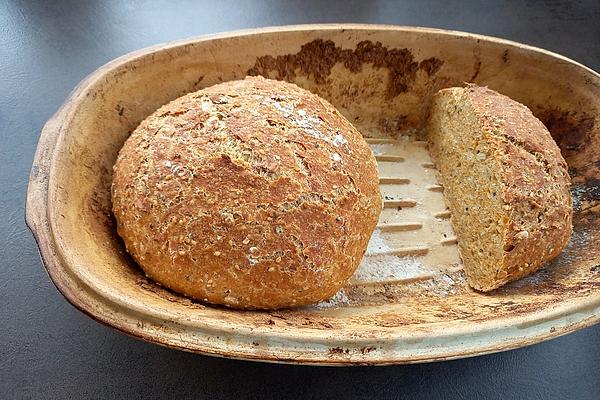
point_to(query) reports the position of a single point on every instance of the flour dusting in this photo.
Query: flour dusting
(379, 149)
(386, 267)
(339, 299)
(444, 285)
(378, 266)
(377, 244)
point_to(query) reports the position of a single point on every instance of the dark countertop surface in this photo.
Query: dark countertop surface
(48, 349)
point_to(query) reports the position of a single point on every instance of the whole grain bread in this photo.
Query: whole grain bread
(252, 194)
(505, 182)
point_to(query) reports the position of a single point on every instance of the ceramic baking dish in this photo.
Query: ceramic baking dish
(409, 301)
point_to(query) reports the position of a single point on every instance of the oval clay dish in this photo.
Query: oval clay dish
(409, 301)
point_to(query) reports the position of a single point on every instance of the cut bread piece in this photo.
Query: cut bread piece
(505, 182)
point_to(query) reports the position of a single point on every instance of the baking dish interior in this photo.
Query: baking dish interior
(382, 80)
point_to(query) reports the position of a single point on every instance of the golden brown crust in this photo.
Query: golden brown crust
(251, 194)
(535, 207)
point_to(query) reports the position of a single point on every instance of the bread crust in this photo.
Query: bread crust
(250, 194)
(536, 205)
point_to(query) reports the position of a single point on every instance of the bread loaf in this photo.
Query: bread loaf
(252, 194)
(505, 182)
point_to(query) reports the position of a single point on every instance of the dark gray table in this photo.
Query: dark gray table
(50, 350)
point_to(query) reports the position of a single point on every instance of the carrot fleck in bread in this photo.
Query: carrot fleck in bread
(505, 182)
(251, 194)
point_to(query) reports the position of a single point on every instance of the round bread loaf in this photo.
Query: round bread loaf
(251, 194)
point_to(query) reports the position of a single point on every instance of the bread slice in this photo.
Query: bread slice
(505, 182)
